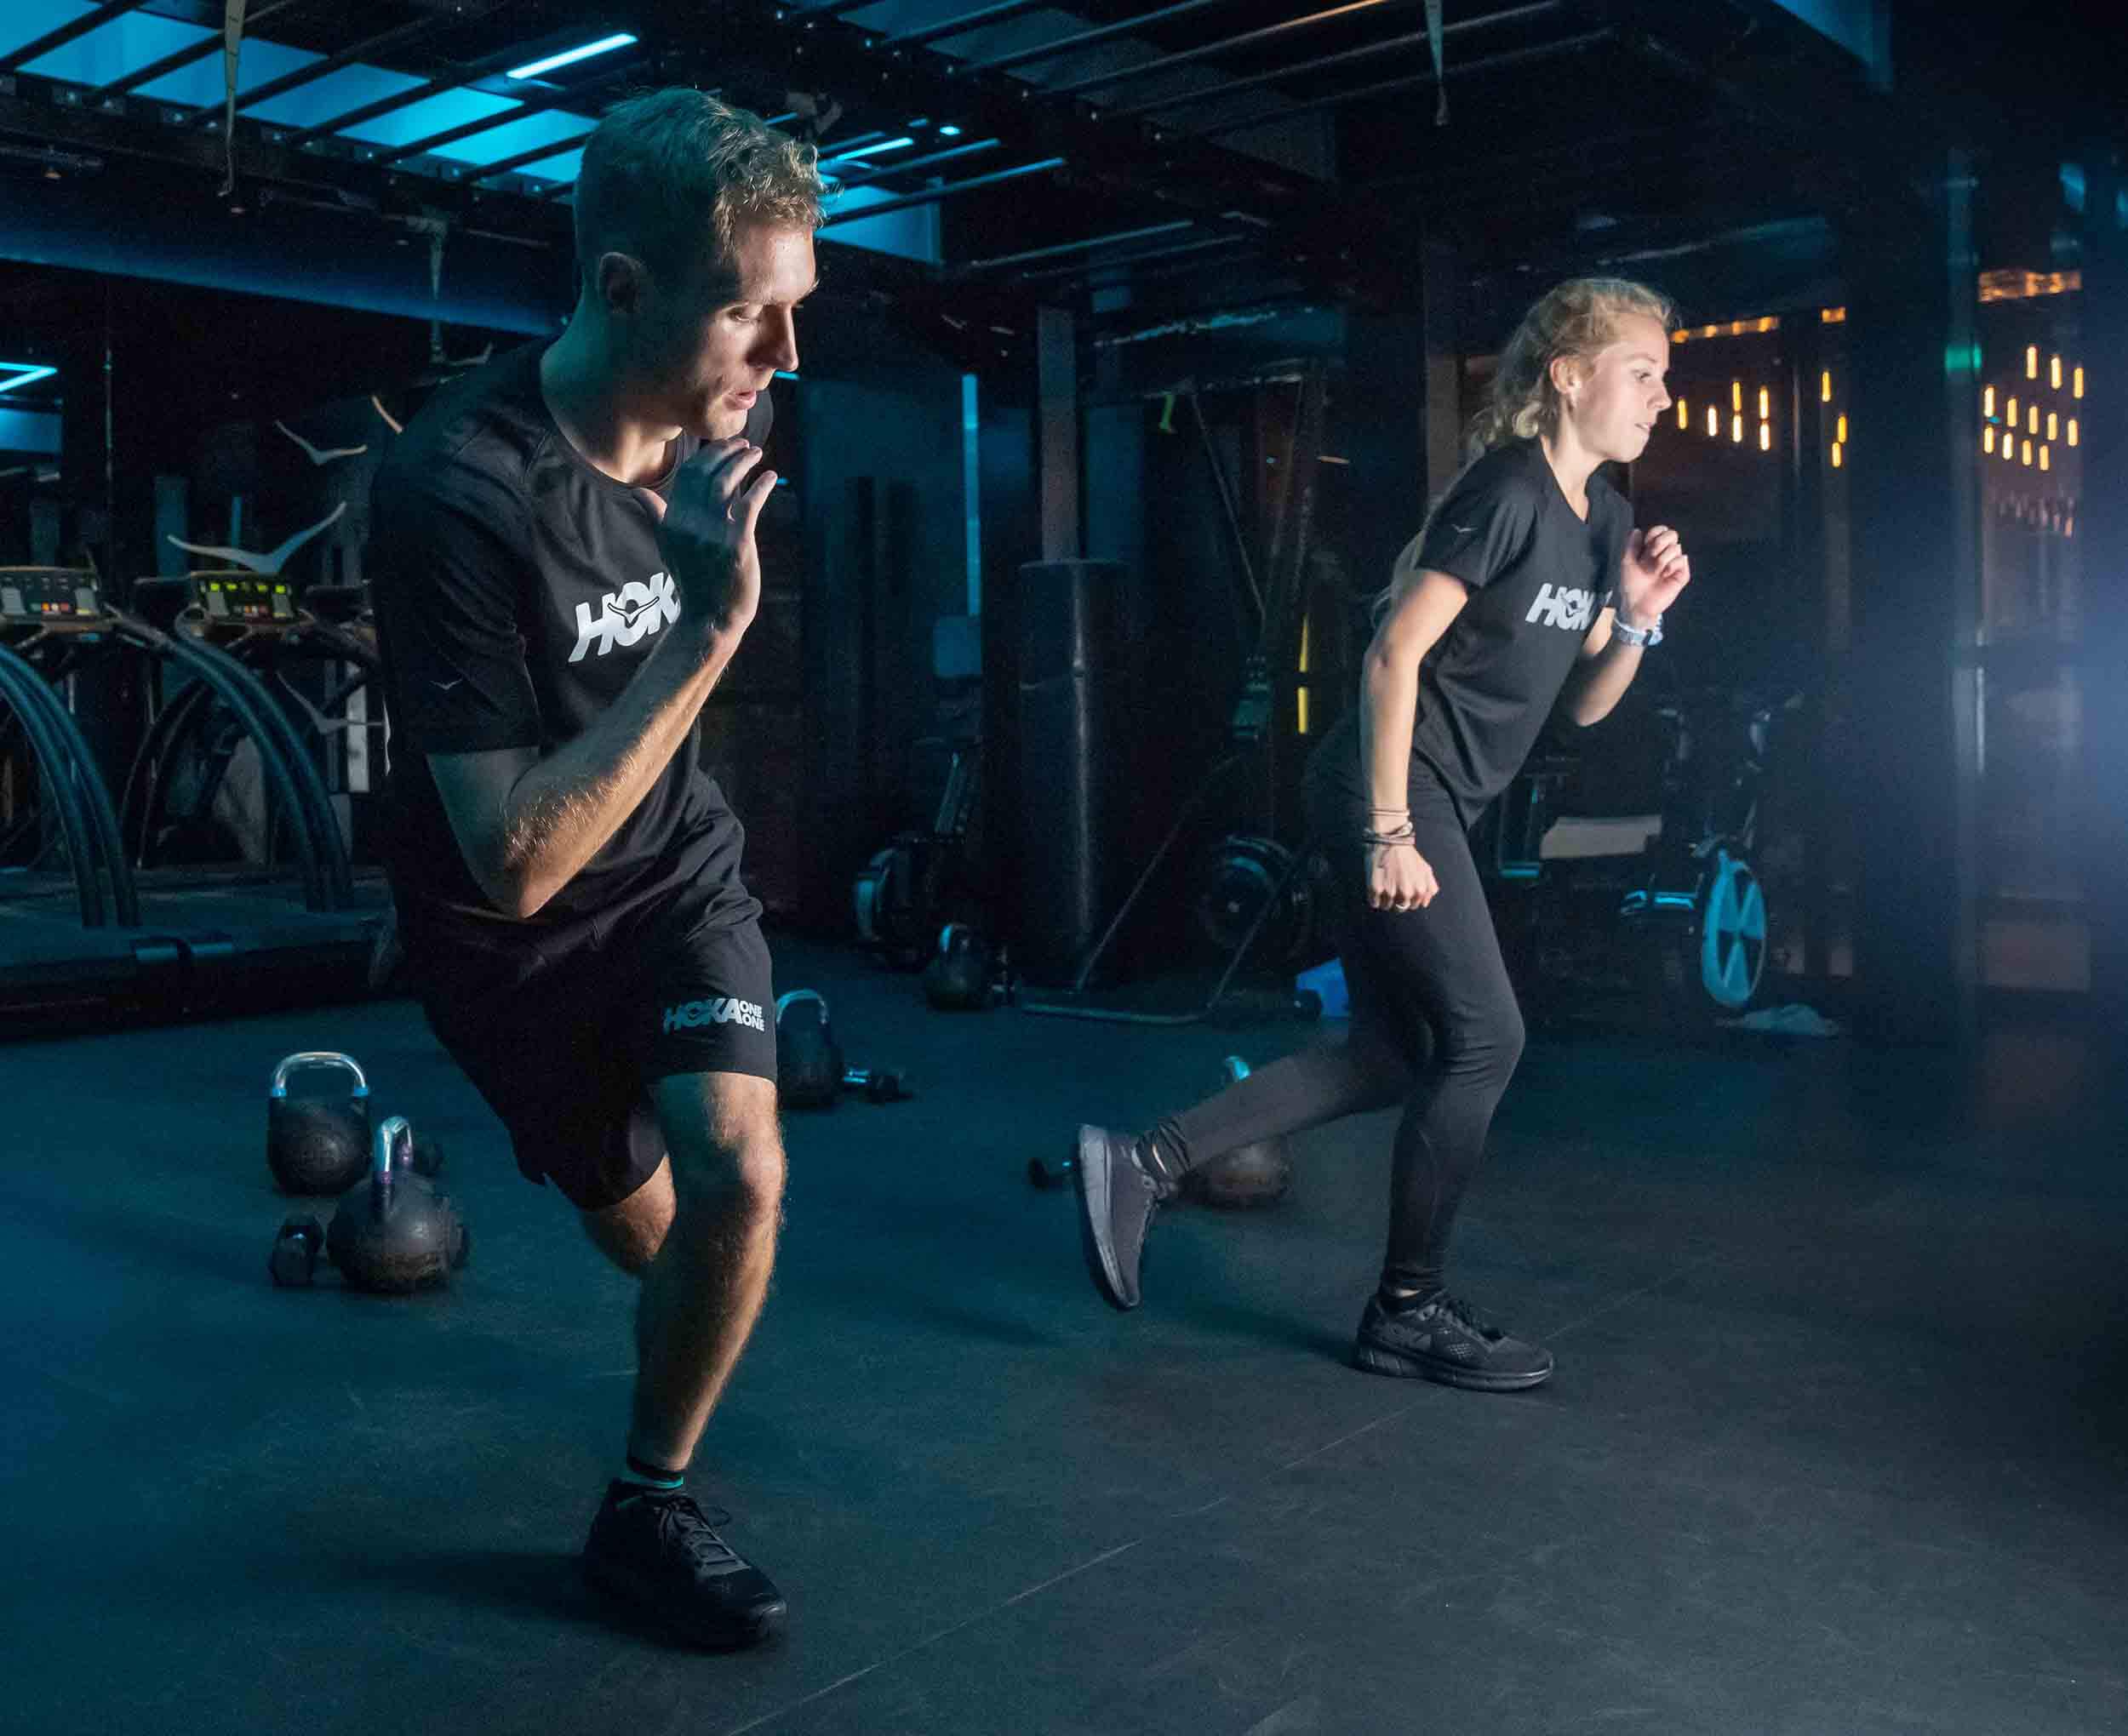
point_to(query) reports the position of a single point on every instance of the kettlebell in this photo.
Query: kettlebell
(957, 977)
(316, 1145)
(1250, 1175)
(293, 1260)
(809, 1060)
(398, 1233)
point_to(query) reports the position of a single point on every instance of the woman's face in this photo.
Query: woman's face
(1613, 399)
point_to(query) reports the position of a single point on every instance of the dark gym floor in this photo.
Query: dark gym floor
(1836, 1444)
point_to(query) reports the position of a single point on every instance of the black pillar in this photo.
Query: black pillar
(1399, 417)
(2102, 526)
(1802, 538)
(1913, 462)
(1056, 363)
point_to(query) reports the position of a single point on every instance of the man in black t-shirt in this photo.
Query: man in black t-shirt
(564, 564)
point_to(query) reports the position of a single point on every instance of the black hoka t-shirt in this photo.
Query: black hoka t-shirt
(517, 590)
(1539, 576)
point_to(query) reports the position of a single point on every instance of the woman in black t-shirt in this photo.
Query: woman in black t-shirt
(1527, 580)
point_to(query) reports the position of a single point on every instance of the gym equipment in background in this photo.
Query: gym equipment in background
(398, 1234)
(1252, 884)
(809, 1066)
(903, 893)
(318, 1145)
(59, 621)
(1669, 902)
(963, 975)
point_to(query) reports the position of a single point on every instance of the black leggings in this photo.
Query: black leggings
(1434, 1027)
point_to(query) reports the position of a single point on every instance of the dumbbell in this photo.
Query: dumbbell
(878, 1084)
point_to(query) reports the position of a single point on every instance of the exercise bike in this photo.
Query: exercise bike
(1670, 904)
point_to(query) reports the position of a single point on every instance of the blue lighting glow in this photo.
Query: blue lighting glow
(14, 373)
(780, 374)
(604, 45)
(26, 431)
(864, 151)
(949, 131)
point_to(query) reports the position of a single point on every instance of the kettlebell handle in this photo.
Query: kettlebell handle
(797, 994)
(391, 1132)
(946, 937)
(317, 1057)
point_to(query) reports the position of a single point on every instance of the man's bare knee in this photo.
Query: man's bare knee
(727, 1149)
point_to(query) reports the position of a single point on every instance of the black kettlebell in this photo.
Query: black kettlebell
(957, 977)
(294, 1259)
(398, 1233)
(1249, 1175)
(318, 1145)
(809, 1060)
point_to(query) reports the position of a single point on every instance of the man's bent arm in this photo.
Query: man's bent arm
(527, 825)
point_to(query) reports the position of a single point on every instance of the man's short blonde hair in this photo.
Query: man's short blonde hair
(666, 170)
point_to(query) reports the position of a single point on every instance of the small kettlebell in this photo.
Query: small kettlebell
(809, 1060)
(398, 1233)
(316, 1145)
(293, 1261)
(957, 977)
(1249, 1175)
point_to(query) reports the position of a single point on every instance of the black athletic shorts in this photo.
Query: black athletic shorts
(563, 1033)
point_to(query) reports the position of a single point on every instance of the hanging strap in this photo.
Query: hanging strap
(231, 52)
(1434, 35)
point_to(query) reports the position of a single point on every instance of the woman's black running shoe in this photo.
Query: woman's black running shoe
(1442, 1339)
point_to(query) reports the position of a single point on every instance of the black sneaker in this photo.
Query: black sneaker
(1442, 1339)
(658, 1550)
(1117, 1196)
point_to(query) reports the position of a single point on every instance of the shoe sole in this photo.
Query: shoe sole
(1091, 1174)
(1375, 1360)
(629, 1588)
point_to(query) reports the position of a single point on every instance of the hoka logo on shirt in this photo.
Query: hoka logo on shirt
(725, 1009)
(1561, 607)
(625, 615)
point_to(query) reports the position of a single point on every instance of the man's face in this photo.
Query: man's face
(706, 347)
(1615, 410)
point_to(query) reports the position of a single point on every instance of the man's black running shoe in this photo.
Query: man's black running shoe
(1442, 1339)
(1118, 1198)
(660, 1553)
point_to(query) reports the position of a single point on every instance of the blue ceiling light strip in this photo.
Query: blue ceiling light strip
(14, 373)
(866, 151)
(570, 57)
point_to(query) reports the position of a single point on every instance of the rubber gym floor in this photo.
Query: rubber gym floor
(1836, 1445)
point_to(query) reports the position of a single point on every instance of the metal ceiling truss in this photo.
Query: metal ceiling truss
(1137, 159)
